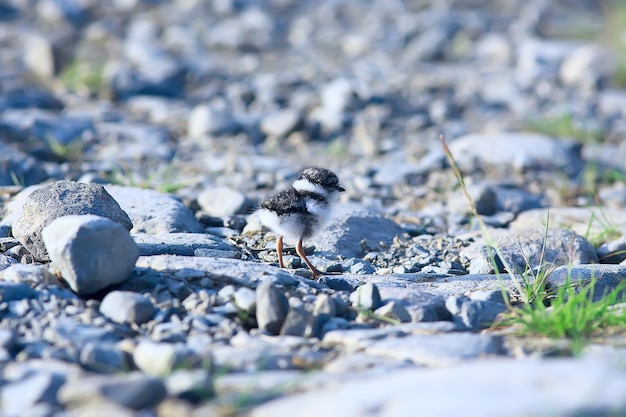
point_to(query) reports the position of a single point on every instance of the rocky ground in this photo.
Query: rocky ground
(137, 137)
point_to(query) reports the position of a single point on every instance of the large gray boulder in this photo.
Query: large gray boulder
(525, 249)
(354, 231)
(154, 212)
(91, 252)
(519, 151)
(63, 198)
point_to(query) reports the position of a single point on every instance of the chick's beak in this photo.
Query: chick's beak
(340, 188)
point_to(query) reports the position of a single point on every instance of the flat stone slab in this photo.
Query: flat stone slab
(607, 277)
(178, 243)
(518, 150)
(360, 338)
(525, 248)
(413, 344)
(438, 349)
(578, 219)
(524, 388)
(351, 228)
(231, 270)
(154, 212)
(420, 288)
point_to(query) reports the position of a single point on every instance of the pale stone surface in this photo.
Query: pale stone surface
(525, 249)
(578, 219)
(516, 382)
(154, 212)
(232, 270)
(91, 252)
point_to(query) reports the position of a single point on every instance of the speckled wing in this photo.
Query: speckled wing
(285, 202)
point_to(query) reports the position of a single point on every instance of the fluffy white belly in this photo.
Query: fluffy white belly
(291, 227)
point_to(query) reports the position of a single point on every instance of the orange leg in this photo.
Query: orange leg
(279, 251)
(300, 251)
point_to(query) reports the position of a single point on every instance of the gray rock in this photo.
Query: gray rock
(483, 196)
(223, 201)
(586, 66)
(393, 394)
(38, 55)
(127, 307)
(324, 309)
(338, 284)
(153, 212)
(26, 273)
(612, 103)
(396, 173)
(366, 297)
(523, 250)
(350, 226)
(91, 252)
(245, 300)
(395, 311)
(6, 262)
(272, 307)
(19, 397)
(496, 296)
(517, 151)
(207, 120)
(18, 167)
(160, 359)
(217, 253)
(607, 277)
(193, 386)
(66, 330)
(19, 252)
(454, 303)
(477, 314)
(62, 198)
(102, 408)
(252, 359)
(8, 339)
(234, 383)
(225, 294)
(431, 44)
(539, 59)
(337, 94)
(13, 208)
(74, 13)
(361, 267)
(280, 123)
(324, 304)
(438, 349)
(12, 291)
(185, 244)
(613, 252)
(157, 76)
(297, 321)
(615, 196)
(590, 222)
(29, 97)
(222, 270)
(133, 390)
(516, 200)
(104, 358)
(494, 48)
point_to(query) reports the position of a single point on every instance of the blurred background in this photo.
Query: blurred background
(175, 95)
